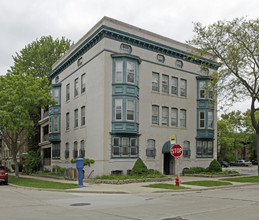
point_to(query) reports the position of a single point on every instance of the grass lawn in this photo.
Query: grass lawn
(35, 183)
(207, 183)
(246, 179)
(165, 186)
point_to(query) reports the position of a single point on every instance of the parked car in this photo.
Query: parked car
(224, 164)
(243, 163)
(254, 162)
(3, 175)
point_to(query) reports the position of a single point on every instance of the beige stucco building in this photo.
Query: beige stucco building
(121, 93)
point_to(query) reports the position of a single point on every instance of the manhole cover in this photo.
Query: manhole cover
(80, 204)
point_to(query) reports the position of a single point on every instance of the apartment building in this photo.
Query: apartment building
(121, 92)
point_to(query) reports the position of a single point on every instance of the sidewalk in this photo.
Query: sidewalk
(135, 188)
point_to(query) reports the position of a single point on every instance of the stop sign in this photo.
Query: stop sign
(176, 150)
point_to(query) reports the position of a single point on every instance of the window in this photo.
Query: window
(210, 120)
(82, 115)
(151, 148)
(155, 114)
(118, 71)
(83, 83)
(130, 110)
(76, 118)
(133, 146)
(155, 82)
(160, 58)
(116, 146)
(67, 121)
(183, 118)
(174, 86)
(165, 116)
(130, 72)
(80, 61)
(82, 149)
(68, 92)
(50, 124)
(204, 149)
(126, 48)
(183, 87)
(202, 120)
(125, 146)
(55, 94)
(174, 117)
(186, 149)
(75, 151)
(202, 90)
(118, 109)
(56, 151)
(56, 123)
(76, 89)
(165, 84)
(179, 63)
(67, 151)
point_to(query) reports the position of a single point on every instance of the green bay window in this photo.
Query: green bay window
(123, 146)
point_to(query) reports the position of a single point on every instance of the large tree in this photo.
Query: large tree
(21, 96)
(36, 59)
(236, 45)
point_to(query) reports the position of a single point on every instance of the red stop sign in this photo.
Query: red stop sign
(176, 150)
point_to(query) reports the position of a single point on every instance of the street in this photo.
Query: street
(240, 202)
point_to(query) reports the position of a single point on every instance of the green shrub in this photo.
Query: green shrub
(59, 171)
(215, 166)
(87, 162)
(32, 161)
(194, 170)
(139, 168)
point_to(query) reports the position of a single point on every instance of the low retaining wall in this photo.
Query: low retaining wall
(128, 180)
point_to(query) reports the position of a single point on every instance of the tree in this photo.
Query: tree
(36, 59)
(236, 45)
(21, 96)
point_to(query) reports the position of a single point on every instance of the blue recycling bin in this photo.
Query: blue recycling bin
(80, 167)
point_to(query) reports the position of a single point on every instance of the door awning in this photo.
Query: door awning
(166, 148)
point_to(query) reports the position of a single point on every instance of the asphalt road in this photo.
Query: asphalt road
(245, 171)
(240, 202)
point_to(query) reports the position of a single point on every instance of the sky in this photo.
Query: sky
(24, 21)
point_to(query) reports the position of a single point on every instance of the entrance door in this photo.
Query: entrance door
(167, 158)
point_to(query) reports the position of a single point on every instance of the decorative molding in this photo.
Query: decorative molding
(114, 34)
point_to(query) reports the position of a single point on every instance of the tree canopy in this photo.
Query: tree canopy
(236, 46)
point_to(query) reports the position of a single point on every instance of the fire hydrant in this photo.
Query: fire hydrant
(177, 181)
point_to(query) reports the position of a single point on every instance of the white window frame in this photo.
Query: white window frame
(174, 117)
(130, 109)
(202, 92)
(125, 147)
(202, 119)
(130, 76)
(155, 82)
(210, 120)
(183, 87)
(117, 147)
(183, 118)
(118, 109)
(165, 83)
(174, 85)
(83, 83)
(155, 115)
(165, 116)
(118, 71)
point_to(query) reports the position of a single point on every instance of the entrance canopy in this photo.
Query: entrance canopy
(166, 148)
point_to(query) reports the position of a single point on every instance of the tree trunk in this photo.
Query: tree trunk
(16, 165)
(257, 151)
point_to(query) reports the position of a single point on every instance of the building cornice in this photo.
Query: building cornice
(124, 37)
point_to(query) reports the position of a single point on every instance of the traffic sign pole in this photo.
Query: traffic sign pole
(176, 152)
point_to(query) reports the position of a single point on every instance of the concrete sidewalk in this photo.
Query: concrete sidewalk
(135, 188)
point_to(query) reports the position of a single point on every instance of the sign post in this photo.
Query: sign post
(176, 152)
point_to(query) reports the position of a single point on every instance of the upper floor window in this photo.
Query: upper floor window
(67, 92)
(55, 123)
(56, 151)
(179, 63)
(155, 82)
(165, 84)
(126, 48)
(118, 109)
(202, 120)
(80, 61)
(76, 118)
(67, 151)
(67, 121)
(202, 91)
(183, 118)
(165, 116)
(174, 117)
(183, 87)
(55, 94)
(82, 149)
(76, 87)
(130, 72)
(160, 58)
(151, 148)
(155, 114)
(75, 151)
(130, 109)
(119, 71)
(83, 83)
(174, 87)
(205, 70)
(82, 115)
(210, 120)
